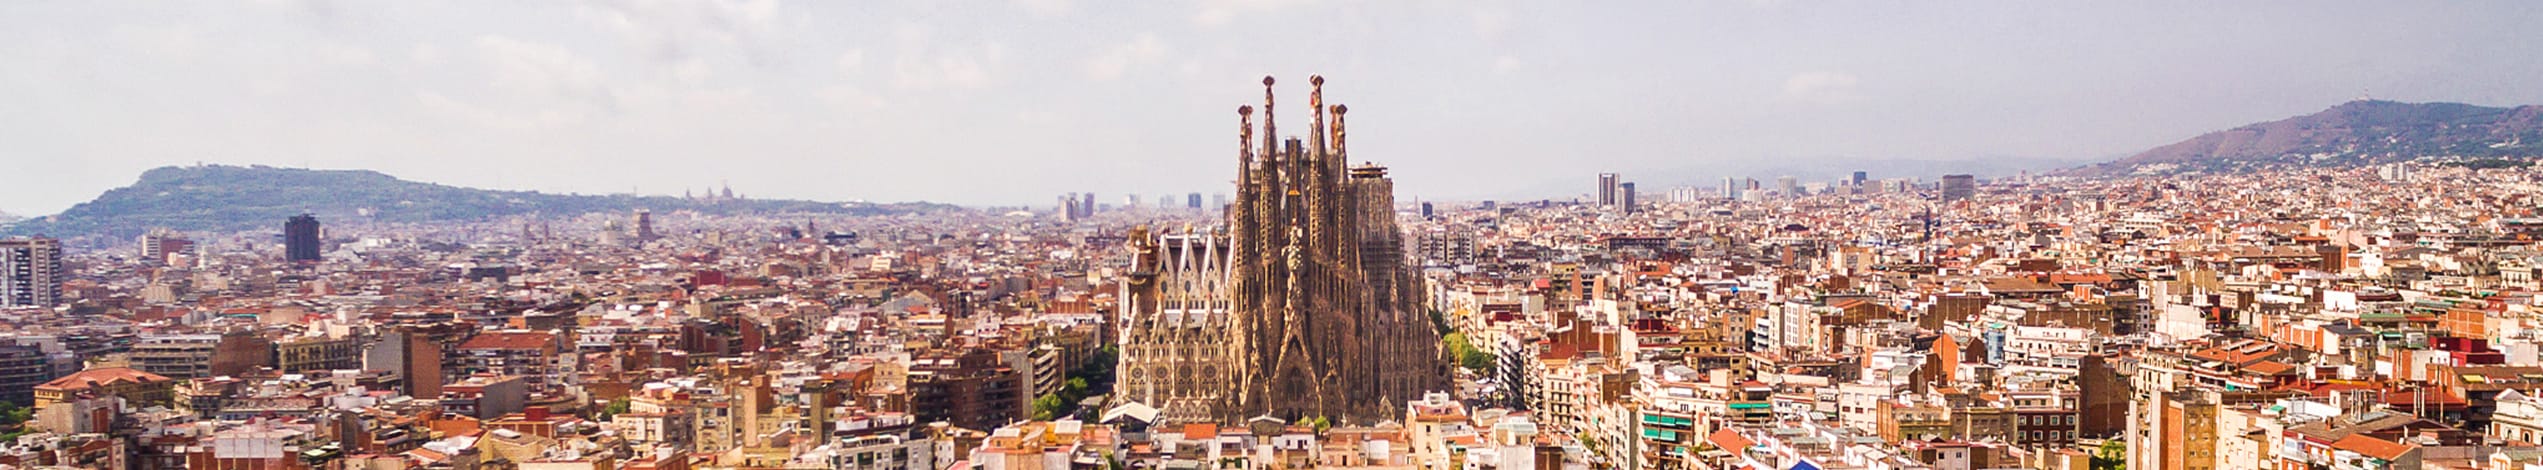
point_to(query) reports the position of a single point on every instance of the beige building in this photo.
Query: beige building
(138, 388)
(314, 354)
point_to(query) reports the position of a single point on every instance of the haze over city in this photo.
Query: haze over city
(1010, 103)
(1270, 234)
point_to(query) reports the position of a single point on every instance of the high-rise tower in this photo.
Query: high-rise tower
(1625, 198)
(1301, 306)
(644, 224)
(30, 272)
(300, 238)
(1958, 187)
(1606, 189)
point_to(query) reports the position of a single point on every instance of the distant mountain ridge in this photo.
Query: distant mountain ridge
(231, 198)
(2359, 132)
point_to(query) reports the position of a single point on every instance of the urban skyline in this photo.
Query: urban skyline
(649, 96)
(1666, 236)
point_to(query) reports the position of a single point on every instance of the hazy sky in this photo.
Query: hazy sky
(1015, 102)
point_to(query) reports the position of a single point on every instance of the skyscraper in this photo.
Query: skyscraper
(300, 238)
(30, 272)
(1958, 187)
(1787, 186)
(1193, 200)
(1731, 186)
(1625, 198)
(1606, 189)
(1859, 177)
(644, 226)
(1302, 306)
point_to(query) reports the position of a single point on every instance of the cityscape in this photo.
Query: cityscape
(2355, 285)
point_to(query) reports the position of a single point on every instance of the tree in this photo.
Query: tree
(1467, 355)
(13, 420)
(615, 407)
(1048, 407)
(1479, 361)
(2112, 455)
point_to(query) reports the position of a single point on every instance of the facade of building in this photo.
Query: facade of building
(140, 389)
(1625, 198)
(1958, 187)
(1302, 307)
(30, 272)
(158, 245)
(1607, 189)
(189, 356)
(973, 390)
(21, 369)
(531, 355)
(317, 354)
(644, 226)
(300, 238)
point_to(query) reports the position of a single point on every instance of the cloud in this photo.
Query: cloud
(540, 69)
(966, 68)
(1506, 64)
(1113, 63)
(1490, 23)
(1045, 7)
(345, 54)
(667, 31)
(1822, 87)
(427, 54)
(852, 98)
(498, 119)
(850, 62)
(528, 85)
(1221, 12)
(176, 42)
(922, 65)
(693, 71)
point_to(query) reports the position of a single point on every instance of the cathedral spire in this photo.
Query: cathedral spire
(1315, 102)
(1340, 151)
(1271, 123)
(1244, 144)
(1300, 309)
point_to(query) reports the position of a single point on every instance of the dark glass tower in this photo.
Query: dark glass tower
(300, 238)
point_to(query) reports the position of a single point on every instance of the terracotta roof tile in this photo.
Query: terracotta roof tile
(100, 377)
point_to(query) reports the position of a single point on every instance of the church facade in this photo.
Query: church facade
(1301, 306)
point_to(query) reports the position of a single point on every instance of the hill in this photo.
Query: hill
(2358, 132)
(231, 198)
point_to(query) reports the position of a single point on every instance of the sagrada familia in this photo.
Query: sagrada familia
(1302, 306)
